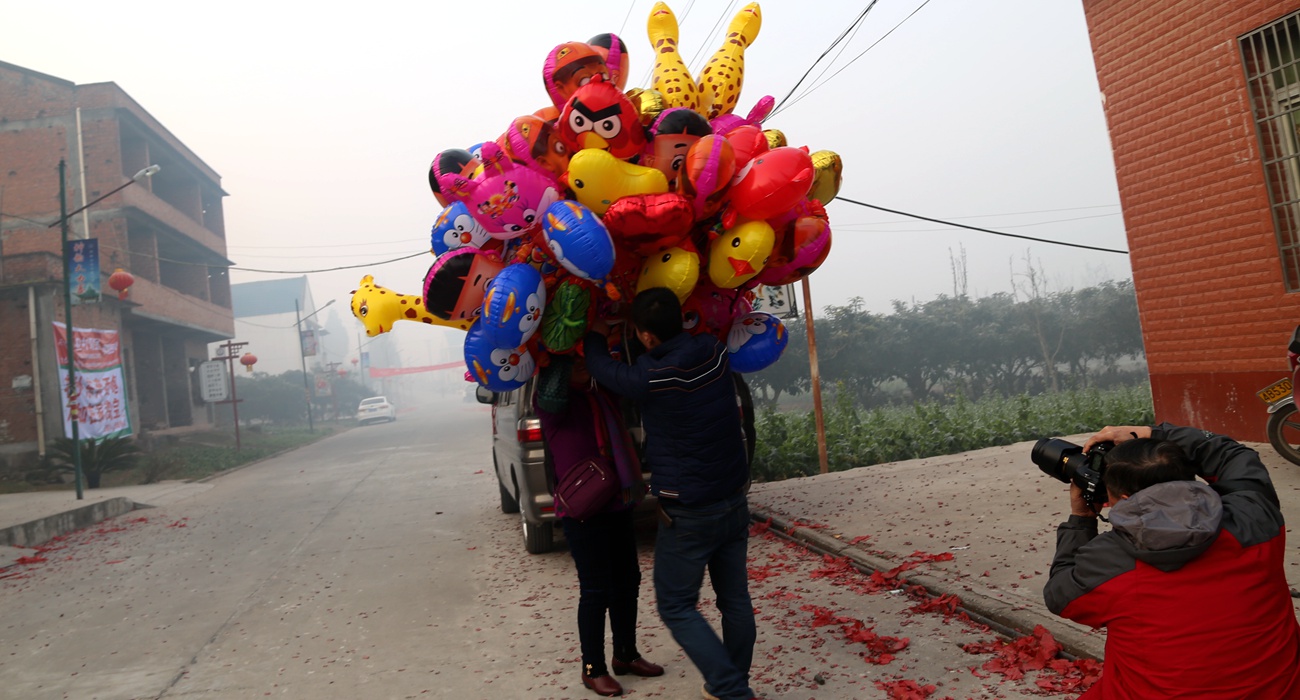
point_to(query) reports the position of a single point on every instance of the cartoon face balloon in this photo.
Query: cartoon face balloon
(446, 167)
(455, 284)
(496, 368)
(756, 340)
(570, 66)
(671, 136)
(599, 116)
(507, 198)
(533, 141)
(578, 240)
(455, 228)
(614, 51)
(512, 305)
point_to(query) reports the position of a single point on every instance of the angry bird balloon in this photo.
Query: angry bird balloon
(599, 116)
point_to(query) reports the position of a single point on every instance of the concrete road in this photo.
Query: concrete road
(377, 564)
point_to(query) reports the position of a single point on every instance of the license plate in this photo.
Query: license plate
(1275, 392)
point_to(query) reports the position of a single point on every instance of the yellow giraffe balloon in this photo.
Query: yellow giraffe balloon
(721, 79)
(671, 77)
(378, 309)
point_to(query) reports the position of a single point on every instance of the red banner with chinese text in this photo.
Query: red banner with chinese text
(100, 395)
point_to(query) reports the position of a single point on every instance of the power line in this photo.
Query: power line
(630, 6)
(332, 269)
(810, 90)
(838, 39)
(1036, 223)
(708, 39)
(982, 230)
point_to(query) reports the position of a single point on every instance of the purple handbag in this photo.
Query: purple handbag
(586, 489)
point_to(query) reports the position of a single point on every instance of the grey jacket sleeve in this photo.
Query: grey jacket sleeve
(1227, 465)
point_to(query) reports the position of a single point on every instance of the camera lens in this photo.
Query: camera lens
(1051, 454)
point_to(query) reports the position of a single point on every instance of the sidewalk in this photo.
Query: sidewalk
(993, 509)
(31, 519)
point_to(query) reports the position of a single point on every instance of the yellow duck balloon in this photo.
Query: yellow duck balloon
(724, 74)
(676, 269)
(598, 179)
(671, 76)
(378, 309)
(740, 253)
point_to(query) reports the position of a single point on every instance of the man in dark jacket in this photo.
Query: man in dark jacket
(1189, 582)
(696, 456)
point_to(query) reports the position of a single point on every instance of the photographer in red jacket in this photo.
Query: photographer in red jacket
(1189, 582)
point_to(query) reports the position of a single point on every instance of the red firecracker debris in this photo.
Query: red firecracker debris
(906, 690)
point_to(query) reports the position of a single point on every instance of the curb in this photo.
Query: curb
(982, 607)
(42, 530)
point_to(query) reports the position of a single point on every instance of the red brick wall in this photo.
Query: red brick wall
(1215, 314)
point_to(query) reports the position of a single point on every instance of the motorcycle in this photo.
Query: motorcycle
(1283, 421)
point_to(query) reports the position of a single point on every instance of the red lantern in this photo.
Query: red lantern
(343, 372)
(120, 281)
(248, 361)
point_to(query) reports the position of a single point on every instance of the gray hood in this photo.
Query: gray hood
(1169, 524)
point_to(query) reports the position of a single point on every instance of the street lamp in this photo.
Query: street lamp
(62, 223)
(297, 309)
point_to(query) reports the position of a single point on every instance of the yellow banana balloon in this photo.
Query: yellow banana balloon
(829, 173)
(671, 76)
(723, 75)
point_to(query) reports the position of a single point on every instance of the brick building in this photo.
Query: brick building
(167, 231)
(1202, 99)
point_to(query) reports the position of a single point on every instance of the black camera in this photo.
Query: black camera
(1067, 462)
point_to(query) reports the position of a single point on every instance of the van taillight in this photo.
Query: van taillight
(530, 431)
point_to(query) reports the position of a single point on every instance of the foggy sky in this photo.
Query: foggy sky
(322, 123)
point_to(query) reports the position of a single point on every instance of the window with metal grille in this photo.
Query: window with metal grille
(1269, 55)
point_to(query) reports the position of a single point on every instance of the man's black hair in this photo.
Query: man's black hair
(1133, 465)
(657, 311)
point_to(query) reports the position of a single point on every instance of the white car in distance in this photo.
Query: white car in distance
(376, 408)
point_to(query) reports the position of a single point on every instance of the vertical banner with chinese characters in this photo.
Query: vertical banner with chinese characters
(83, 262)
(308, 343)
(101, 389)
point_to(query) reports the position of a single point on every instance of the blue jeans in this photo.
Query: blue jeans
(713, 537)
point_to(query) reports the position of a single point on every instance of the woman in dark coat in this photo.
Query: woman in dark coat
(581, 422)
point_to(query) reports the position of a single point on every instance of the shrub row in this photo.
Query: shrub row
(787, 442)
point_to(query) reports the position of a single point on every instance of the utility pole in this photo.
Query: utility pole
(231, 349)
(73, 393)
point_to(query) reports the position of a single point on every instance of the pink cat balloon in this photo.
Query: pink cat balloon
(507, 198)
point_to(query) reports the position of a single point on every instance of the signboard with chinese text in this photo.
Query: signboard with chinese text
(214, 382)
(308, 343)
(778, 301)
(101, 388)
(83, 270)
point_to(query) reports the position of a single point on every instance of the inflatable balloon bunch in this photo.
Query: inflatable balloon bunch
(608, 191)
